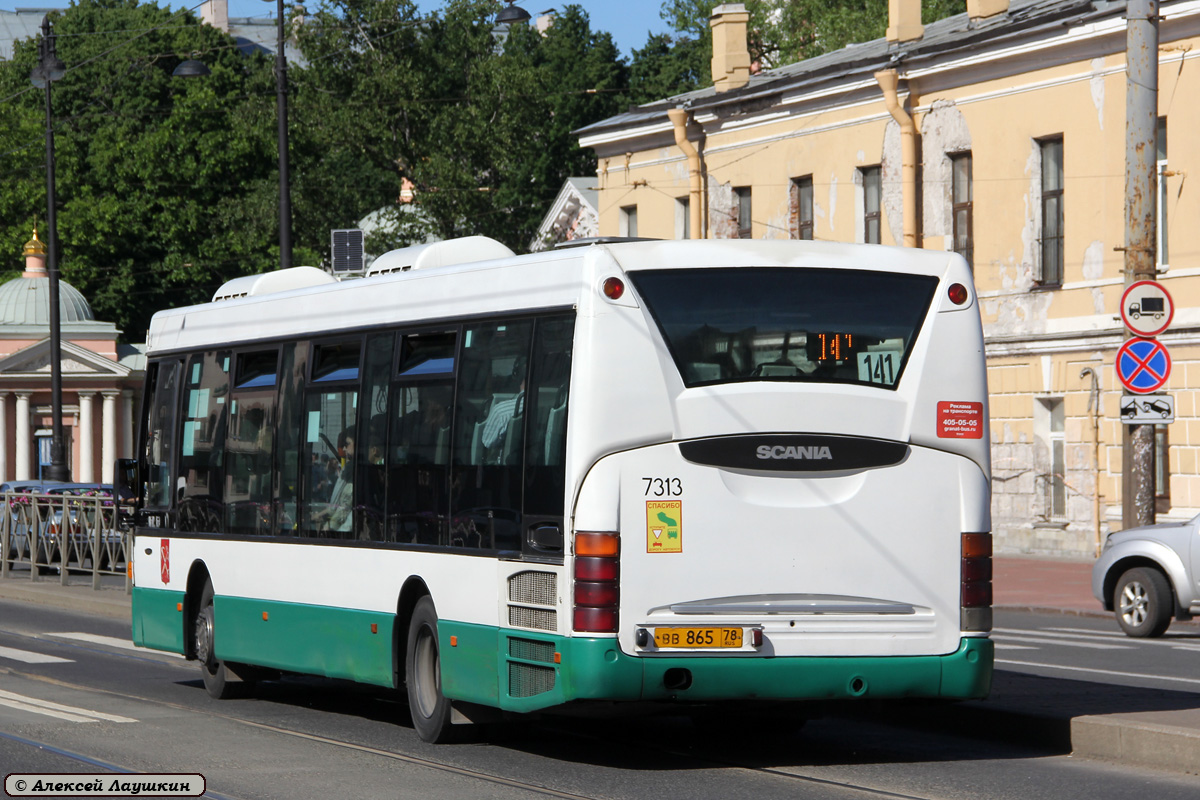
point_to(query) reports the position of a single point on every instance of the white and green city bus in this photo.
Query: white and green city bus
(639, 471)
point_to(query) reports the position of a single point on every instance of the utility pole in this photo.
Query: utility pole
(1141, 187)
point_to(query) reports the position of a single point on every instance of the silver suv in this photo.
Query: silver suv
(1148, 575)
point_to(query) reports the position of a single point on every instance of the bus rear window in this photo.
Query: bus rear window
(787, 324)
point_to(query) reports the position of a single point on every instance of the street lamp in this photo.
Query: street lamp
(49, 69)
(285, 192)
(512, 14)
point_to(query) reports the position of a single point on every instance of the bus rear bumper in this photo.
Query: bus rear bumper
(596, 669)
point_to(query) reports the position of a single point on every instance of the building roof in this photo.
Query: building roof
(24, 23)
(26, 301)
(1025, 20)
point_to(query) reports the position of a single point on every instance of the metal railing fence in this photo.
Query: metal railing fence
(71, 534)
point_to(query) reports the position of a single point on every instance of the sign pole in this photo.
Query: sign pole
(1141, 129)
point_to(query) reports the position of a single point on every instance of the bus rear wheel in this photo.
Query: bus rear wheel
(423, 676)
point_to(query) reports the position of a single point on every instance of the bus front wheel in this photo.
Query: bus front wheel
(423, 677)
(220, 680)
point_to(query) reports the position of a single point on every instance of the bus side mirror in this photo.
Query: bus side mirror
(125, 480)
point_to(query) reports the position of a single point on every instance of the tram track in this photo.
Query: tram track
(633, 747)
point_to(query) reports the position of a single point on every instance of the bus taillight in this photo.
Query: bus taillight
(597, 582)
(976, 581)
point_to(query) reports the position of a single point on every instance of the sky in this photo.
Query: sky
(629, 21)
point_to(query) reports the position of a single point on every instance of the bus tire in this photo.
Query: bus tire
(1143, 602)
(423, 677)
(221, 681)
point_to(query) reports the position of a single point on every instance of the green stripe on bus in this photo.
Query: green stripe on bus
(316, 640)
(531, 677)
(157, 619)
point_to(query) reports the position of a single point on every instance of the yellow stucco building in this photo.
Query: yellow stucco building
(999, 133)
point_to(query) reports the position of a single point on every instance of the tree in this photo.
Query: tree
(784, 31)
(162, 183)
(668, 66)
(480, 125)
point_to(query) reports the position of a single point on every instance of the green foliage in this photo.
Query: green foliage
(784, 31)
(160, 181)
(481, 126)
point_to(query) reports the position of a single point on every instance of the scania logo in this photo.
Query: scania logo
(779, 452)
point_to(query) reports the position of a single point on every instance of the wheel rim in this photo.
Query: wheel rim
(1134, 604)
(427, 677)
(204, 637)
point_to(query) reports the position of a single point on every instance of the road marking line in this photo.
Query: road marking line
(45, 712)
(1141, 675)
(27, 657)
(57, 710)
(1059, 633)
(1006, 646)
(110, 641)
(1005, 637)
(1166, 641)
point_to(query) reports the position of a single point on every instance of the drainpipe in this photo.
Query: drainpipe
(887, 81)
(679, 119)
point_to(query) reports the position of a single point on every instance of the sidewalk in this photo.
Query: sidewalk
(1142, 727)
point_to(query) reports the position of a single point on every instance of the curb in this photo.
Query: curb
(1126, 739)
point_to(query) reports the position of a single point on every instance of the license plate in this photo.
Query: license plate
(698, 637)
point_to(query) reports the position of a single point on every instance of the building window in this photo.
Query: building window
(1050, 423)
(1162, 470)
(961, 200)
(741, 201)
(1163, 174)
(683, 218)
(1052, 212)
(802, 207)
(629, 222)
(872, 201)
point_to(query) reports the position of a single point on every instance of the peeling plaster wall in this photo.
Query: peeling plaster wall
(891, 177)
(1020, 311)
(1097, 88)
(944, 132)
(722, 211)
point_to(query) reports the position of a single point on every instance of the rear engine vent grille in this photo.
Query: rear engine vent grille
(534, 588)
(527, 680)
(531, 650)
(541, 619)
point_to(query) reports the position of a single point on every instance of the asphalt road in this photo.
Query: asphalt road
(75, 697)
(1095, 649)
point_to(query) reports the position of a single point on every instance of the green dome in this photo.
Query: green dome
(26, 301)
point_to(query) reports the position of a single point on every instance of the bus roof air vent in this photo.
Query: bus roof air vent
(439, 254)
(281, 280)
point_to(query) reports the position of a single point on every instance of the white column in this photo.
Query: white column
(24, 437)
(87, 431)
(3, 436)
(108, 449)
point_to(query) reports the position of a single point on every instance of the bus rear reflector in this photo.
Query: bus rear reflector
(597, 592)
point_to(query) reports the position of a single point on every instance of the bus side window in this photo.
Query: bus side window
(489, 436)
(202, 444)
(545, 456)
(250, 443)
(330, 431)
(371, 480)
(161, 430)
